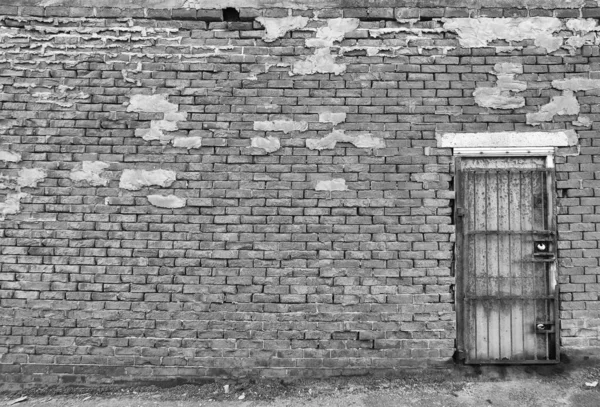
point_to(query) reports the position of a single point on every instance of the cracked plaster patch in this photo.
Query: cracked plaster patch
(335, 31)
(576, 84)
(322, 61)
(168, 201)
(479, 32)
(157, 104)
(187, 142)
(269, 144)
(9, 156)
(62, 96)
(339, 136)
(134, 180)
(332, 117)
(90, 172)
(582, 25)
(276, 28)
(582, 121)
(336, 184)
(566, 104)
(286, 126)
(500, 96)
(12, 204)
(30, 177)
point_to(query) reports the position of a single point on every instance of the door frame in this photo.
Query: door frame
(461, 322)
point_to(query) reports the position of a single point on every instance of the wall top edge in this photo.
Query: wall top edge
(305, 4)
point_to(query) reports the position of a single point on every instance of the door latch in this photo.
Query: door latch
(544, 327)
(542, 249)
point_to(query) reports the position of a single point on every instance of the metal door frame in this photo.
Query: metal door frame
(461, 316)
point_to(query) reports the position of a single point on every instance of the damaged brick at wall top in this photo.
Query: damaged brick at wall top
(187, 197)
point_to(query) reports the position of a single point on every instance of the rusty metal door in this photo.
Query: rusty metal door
(506, 273)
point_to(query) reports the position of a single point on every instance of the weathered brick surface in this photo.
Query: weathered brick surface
(259, 272)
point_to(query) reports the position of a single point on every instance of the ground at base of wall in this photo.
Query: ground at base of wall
(513, 386)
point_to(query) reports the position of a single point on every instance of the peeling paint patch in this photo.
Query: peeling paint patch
(12, 204)
(560, 138)
(332, 117)
(501, 96)
(278, 27)
(151, 104)
(168, 201)
(582, 25)
(336, 184)
(61, 95)
(582, 121)
(286, 126)
(30, 177)
(479, 32)
(157, 104)
(321, 62)
(269, 144)
(187, 142)
(9, 156)
(335, 31)
(576, 84)
(566, 104)
(339, 136)
(134, 180)
(90, 173)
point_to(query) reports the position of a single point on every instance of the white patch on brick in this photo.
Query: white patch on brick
(321, 62)
(157, 104)
(187, 142)
(89, 172)
(155, 132)
(332, 117)
(11, 205)
(9, 156)
(566, 104)
(286, 126)
(339, 136)
(151, 104)
(269, 144)
(576, 41)
(30, 177)
(336, 184)
(134, 180)
(335, 31)
(278, 27)
(501, 96)
(61, 95)
(561, 138)
(582, 25)
(479, 32)
(576, 84)
(168, 201)
(582, 121)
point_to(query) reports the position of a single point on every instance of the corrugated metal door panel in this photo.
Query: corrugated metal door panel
(506, 287)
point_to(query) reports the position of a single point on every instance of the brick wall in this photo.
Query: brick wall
(190, 197)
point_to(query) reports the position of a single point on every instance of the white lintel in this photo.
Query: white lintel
(562, 138)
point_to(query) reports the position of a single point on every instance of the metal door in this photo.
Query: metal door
(506, 271)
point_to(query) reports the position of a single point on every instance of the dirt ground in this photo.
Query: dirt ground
(514, 387)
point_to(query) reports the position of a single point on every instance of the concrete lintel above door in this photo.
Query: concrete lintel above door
(562, 138)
